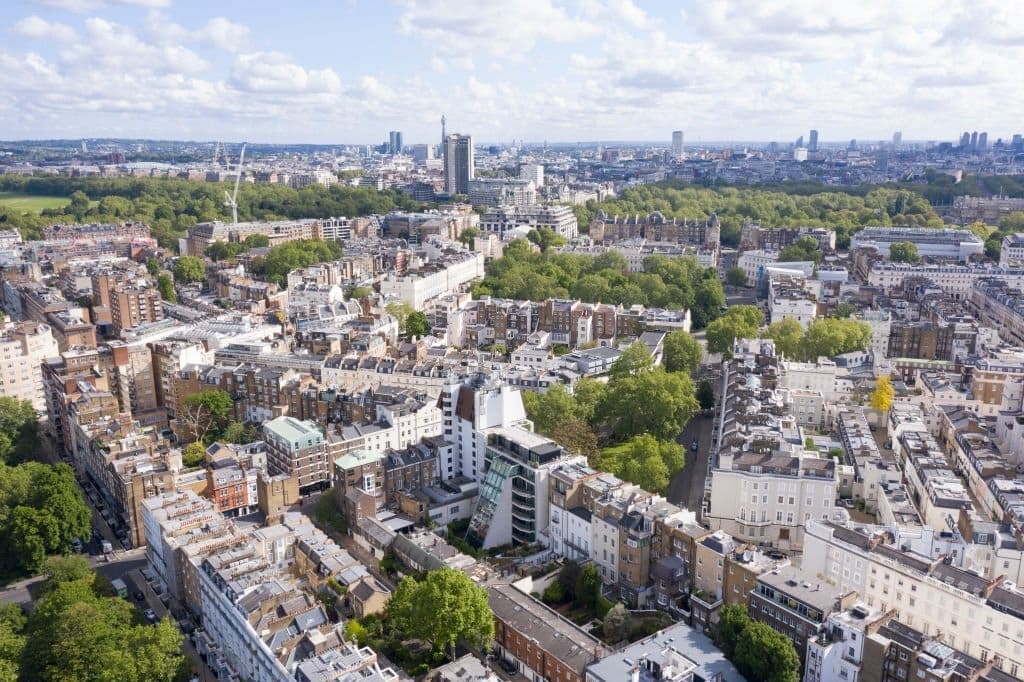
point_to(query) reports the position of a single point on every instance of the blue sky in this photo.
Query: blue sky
(348, 71)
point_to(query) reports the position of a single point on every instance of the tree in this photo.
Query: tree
(152, 266)
(166, 287)
(76, 634)
(682, 353)
(301, 253)
(545, 238)
(189, 269)
(255, 241)
(708, 300)
(646, 461)
(417, 325)
(705, 394)
(499, 350)
(830, 337)
(588, 586)
(739, 322)
(590, 394)
(787, 335)
(193, 455)
(64, 569)
(654, 402)
(205, 414)
(550, 408)
(19, 436)
(804, 249)
(883, 395)
(616, 623)
(736, 276)
(357, 293)
(400, 310)
(79, 205)
(468, 235)
(574, 435)
(240, 433)
(732, 621)
(444, 609)
(904, 252)
(844, 310)
(764, 654)
(567, 576)
(633, 361)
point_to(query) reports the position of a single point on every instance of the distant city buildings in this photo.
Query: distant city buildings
(459, 168)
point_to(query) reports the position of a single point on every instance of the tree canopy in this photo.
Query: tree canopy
(904, 252)
(883, 395)
(757, 651)
(674, 283)
(19, 437)
(804, 249)
(682, 353)
(189, 269)
(738, 322)
(443, 609)
(205, 415)
(646, 461)
(289, 256)
(822, 338)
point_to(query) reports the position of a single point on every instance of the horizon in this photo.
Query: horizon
(593, 70)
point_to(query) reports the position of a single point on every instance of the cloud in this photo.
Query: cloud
(225, 34)
(83, 6)
(37, 27)
(275, 72)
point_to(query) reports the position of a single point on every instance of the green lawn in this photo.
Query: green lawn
(29, 203)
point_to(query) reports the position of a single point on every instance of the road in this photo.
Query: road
(687, 488)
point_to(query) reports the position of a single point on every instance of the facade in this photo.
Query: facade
(459, 167)
(297, 448)
(24, 346)
(953, 244)
(504, 219)
(502, 192)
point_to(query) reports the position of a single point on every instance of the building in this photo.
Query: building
(538, 642)
(24, 346)
(797, 604)
(297, 448)
(953, 244)
(506, 221)
(459, 167)
(395, 142)
(502, 192)
(132, 306)
(677, 145)
(678, 653)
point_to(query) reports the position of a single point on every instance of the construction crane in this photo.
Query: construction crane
(232, 199)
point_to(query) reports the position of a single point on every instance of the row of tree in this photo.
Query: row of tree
(676, 283)
(780, 206)
(826, 337)
(170, 206)
(79, 630)
(757, 651)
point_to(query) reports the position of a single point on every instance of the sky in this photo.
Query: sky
(349, 71)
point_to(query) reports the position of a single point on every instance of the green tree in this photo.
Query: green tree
(193, 455)
(732, 621)
(240, 434)
(645, 461)
(787, 335)
(616, 623)
(567, 577)
(548, 409)
(417, 325)
(357, 293)
(400, 310)
(844, 310)
(152, 266)
(739, 322)
(64, 569)
(301, 253)
(830, 337)
(883, 395)
(588, 586)
(189, 269)
(545, 238)
(166, 287)
(499, 350)
(705, 394)
(634, 360)
(355, 632)
(255, 241)
(653, 401)
(682, 353)
(205, 414)
(904, 252)
(468, 235)
(804, 249)
(79, 205)
(19, 436)
(576, 436)
(736, 276)
(763, 654)
(444, 609)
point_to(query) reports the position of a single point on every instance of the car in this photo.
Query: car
(775, 554)
(848, 503)
(139, 596)
(150, 615)
(693, 445)
(77, 545)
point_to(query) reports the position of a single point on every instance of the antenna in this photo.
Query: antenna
(232, 199)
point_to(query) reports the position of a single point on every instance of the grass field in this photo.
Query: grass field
(27, 202)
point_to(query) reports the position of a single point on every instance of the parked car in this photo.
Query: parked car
(150, 615)
(139, 596)
(693, 445)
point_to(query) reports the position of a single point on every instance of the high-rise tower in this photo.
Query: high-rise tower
(677, 144)
(458, 163)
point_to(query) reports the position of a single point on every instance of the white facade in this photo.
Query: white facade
(959, 244)
(23, 348)
(417, 287)
(570, 532)
(955, 280)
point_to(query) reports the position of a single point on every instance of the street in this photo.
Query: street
(687, 488)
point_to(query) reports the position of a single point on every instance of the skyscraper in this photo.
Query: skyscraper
(974, 141)
(799, 142)
(813, 145)
(897, 139)
(458, 163)
(395, 142)
(983, 142)
(965, 139)
(677, 144)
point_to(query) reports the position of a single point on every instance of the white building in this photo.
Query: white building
(23, 348)
(432, 279)
(1012, 250)
(958, 244)
(504, 219)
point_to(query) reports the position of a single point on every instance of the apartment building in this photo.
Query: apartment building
(504, 219)
(24, 346)
(278, 232)
(953, 244)
(297, 448)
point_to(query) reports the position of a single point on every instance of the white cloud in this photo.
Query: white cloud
(275, 72)
(225, 34)
(82, 6)
(37, 27)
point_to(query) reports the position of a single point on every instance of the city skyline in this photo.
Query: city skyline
(615, 70)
